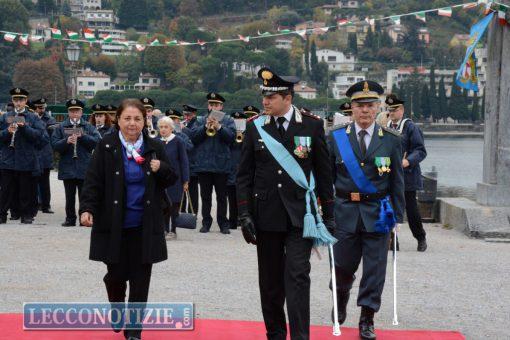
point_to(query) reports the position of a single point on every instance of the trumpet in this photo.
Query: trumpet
(239, 137)
(153, 133)
(13, 137)
(210, 131)
(75, 145)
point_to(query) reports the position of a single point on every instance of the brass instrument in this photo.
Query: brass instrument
(210, 131)
(75, 145)
(16, 119)
(239, 137)
(153, 133)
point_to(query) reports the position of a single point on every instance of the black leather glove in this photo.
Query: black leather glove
(248, 228)
(330, 224)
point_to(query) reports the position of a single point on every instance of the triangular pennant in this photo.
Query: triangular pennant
(301, 33)
(421, 16)
(201, 42)
(184, 43)
(139, 47)
(265, 34)
(155, 42)
(56, 33)
(343, 22)
(172, 43)
(502, 18)
(284, 31)
(35, 38)
(23, 39)
(445, 12)
(470, 5)
(219, 40)
(107, 38)
(9, 37)
(73, 35)
(243, 38)
(89, 34)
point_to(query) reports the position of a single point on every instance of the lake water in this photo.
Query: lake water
(459, 163)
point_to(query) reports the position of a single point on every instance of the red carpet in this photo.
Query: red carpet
(12, 328)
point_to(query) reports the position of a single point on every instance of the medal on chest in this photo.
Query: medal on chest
(302, 146)
(383, 165)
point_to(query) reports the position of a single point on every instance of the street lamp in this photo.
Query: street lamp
(73, 55)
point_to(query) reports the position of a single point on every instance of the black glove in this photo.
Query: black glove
(248, 228)
(330, 224)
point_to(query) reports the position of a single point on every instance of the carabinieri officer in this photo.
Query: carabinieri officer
(369, 183)
(272, 205)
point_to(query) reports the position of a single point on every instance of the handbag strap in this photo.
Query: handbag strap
(190, 205)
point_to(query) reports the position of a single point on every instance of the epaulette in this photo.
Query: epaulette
(392, 131)
(252, 118)
(311, 115)
(340, 126)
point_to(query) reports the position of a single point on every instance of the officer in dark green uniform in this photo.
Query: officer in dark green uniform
(369, 183)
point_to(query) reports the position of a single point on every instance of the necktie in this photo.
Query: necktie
(394, 126)
(362, 144)
(281, 129)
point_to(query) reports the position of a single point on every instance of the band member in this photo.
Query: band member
(235, 149)
(45, 157)
(272, 205)
(101, 119)
(251, 111)
(122, 201)
(369, 184)
(414, 151)
(177, 117)
(111, 111)
(190, 120)
(346, 108)
(22, 136)
(212, 139)
(74, 140)
(152, 120)
(175, 150)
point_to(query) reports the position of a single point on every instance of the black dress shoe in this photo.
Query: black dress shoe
(14, 218)
(27, 220)
(47, 211)
(366, 324)
(225, 231)
(422, 245)
(343, 299)
(3, 219)
(204, 229)
(68, 223)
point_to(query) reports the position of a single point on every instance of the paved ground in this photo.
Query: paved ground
(458, 284)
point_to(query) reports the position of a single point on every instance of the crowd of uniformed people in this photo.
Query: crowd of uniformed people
(236, 156)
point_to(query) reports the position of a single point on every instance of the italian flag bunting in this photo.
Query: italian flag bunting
(470, 5)
(502, 16)
(395, 19)
(172, 43)
(421, 16)
(72, 35)
(284, 31)
(265, 34)
(343, 22)
(89, 34)
(155, 42)
(445, 12)
(107, 38)
(9, 37)
(56, 33)
(200, 42)
(243, 38)
(23, 39)
(139, 47)
(301, 33)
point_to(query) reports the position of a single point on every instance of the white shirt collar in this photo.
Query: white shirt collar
(288, 115)
(369, 130)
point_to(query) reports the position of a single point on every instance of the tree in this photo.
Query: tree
(313, 59)
(353, 43)
(425, 102)
(42, 78)
(212, 73)
(46, 6)
(442, 100)
(102, 63)
(475, 108)
(133, 13)
(307, 56)
(163, 59)
(369, 39)
(456, 105)
(189, 8)
(413, 44)
(66, 8)
(13, 16)
(432, 90)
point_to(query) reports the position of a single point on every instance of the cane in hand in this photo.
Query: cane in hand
(395, 316)
(336, 324)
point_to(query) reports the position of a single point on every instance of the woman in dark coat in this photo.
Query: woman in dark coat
(123, 200)
(176, 152)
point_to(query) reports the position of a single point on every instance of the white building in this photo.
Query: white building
(304, 91)
(88, 82)
(40, 27)
(243, 69)
(146, 81)
(348, 3)
(99, 19)
(116, 34)
(343, 82)
(283, 43)
(337, 61)
(91, 5)
(115, 49)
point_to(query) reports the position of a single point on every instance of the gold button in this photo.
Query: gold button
(362, 164)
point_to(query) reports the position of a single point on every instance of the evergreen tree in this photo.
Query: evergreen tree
(353, 43)
(314, 61)
(425, 101)
(417, 102)
(475, 108)
(464, 114)
(133, 13)
(432, 91)
(442, 101)
(395, 91)
(307, 56)
(369, 39)
(456, 105)
(46, 6)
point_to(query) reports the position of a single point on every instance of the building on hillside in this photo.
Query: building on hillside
(460, 40)
(336, 60)
(146, 81)
(40, 27)
(116, 34)
(115, 49)
(343, 81)
(99, 19)
(304, 91)
(352, 4)
(89, 82)
(397, 33)
(284, 43)
(328, 9)
(244, 69)
(315, 26)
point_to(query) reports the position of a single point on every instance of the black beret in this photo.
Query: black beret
(251, 110)
(172, 113)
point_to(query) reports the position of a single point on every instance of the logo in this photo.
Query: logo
(366, 88)
(266, 75)
(73, 102)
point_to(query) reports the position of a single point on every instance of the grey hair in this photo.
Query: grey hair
(168, 121)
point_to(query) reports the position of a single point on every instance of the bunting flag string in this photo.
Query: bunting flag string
(90, 37)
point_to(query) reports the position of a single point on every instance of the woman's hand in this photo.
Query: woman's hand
(86, 219)
(155, 164)
(185, 186)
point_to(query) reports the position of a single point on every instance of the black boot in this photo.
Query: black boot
(343, 299)
(69, 223)
(3, 219)
(422, 245)
(366, 324)
(204, 229)
(47, 211)
(27, 220)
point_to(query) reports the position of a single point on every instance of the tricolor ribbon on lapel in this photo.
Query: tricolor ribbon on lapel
(313, 227)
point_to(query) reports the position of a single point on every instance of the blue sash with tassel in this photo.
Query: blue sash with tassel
(313, 227)
(387, 219)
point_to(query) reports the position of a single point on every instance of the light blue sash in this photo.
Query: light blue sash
(313, 227)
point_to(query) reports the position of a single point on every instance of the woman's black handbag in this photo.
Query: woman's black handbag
(186, 220)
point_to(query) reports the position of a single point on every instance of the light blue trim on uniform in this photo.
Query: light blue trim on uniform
(387, 219)
(313, 227)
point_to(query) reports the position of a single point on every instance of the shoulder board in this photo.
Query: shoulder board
(391, 131)
(340, 126)
(253, 118)
(311, 115)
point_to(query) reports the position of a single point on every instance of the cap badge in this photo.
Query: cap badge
(213, 95)
(390, 101)
(366, 88)
(266, 75)
(17, 90)
(73, 102)
(145, 100)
